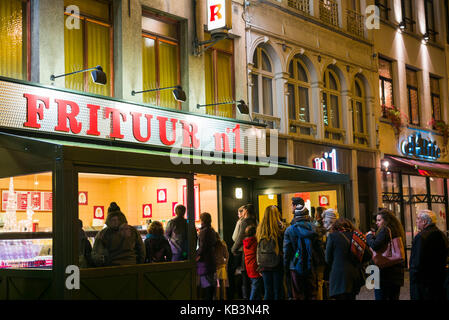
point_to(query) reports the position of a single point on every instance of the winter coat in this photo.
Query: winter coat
(250, 251)
(176, 234)
(121, 246)
(427, 263)
(280, 266)
(306, 230)
(221, 253)
(345, 275)
(207, 240)
(85, 251)
(157, 249)
(393, 275)
(238, 244)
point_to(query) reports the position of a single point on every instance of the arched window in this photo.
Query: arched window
(332, 105)
(298, 96)
(262, 76)
(359, 113)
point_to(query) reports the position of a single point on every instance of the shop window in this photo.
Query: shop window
(359, 113)
(412, 95)
(385, 83)
(160, 60)
(332, 105)
(407, 14)
(435, 95)
(383, 8)
(219, 77)
(13, 38)
(262, 80)
(438, 201)
(430, 19)
(26, 221)
(88, 46)
(298, 97)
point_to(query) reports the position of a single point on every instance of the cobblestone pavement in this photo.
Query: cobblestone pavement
(366, 294)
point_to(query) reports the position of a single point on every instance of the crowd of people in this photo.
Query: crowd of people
(317, 256)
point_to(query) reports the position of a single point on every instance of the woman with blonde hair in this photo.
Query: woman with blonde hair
(270, 236)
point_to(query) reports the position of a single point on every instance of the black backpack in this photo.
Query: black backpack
(266, 254)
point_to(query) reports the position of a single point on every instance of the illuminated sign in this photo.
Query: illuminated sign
(219, 14)
(419, 147)
(322, 163)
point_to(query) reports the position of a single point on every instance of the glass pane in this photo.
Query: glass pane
(359, 117)
(385, 68)
(98, 54)
(302, 75)
(388, 91)
(168, 73)
(160, 27)
(97, 9)
(27, 210)
(224, 84)
(430, 15)
(434, 85)
(266, 64)
(149, 70)
(255, 59)
(440, 212)
(304, 104)
(291, 102)
(414, 108)
(74, 57)
(335, 113)
(325, 111)
(267, 96)
(209, 81)
(332, 82)
(412, 79)
(255, 92)
(436, 109)
(358, 90)
(12, 32)
(290, 70)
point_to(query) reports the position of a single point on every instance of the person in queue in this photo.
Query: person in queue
(392, 277)
(345, 278)
(84, 248)
(303, 253)
(329, 218)
(205, 257)
(428, 259)
(221, 260)
(118, 243)
(156, 246)
(270, 237)
(176, 234)
(248, 218)
(252, 269)
(236, 259)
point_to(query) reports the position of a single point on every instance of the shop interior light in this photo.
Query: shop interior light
(178, 93)
(98, 76)
(271, 196)
(238, 193)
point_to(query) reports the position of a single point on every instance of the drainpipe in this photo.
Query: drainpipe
(198, 10)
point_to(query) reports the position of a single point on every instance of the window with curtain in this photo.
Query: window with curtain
(412, 95)
(88, 46)
(435, 95)
(407, 14)
(262, 80)
(298, 96)
(13, 39)
(160, 60)
(383, 8)
(331, 105)
(359, 113)
(430, 19)
(219, 77)
(385, 83)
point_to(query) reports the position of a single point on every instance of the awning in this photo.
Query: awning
(422, 168)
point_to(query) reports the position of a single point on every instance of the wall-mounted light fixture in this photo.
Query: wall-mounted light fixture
(402, 26)
(426, 37)
(238, 192)
(386, 164)
(98, 76)
(241, 105)
(178, 93)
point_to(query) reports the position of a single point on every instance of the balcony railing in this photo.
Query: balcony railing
(300, 5)
(355, 23)
(329, 12)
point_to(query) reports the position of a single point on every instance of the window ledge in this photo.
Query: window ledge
(418, 128)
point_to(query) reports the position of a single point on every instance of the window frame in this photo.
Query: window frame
(383, 9)
(435, 95)
(431, 32)
(362, 100)
(409, 22)
(260, 73)
(409, 89)
(166, 39)
(331, 92)
(382, 80)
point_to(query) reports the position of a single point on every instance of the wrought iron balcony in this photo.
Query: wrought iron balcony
(329, 12)
(300, 5)
(355, 23)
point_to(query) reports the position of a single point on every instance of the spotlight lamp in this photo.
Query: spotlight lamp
(178, 93)
(426, 37)
(402, 25)
(98, 76)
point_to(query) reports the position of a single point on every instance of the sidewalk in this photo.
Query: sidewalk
(366, 294)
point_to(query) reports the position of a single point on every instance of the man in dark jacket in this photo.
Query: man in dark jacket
(310, 255)
(428, 259)
(176, 234)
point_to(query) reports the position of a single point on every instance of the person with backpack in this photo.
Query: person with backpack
(156, 246)
(252, 269)
(391, 277)
(176, 234)
(270, 234)
(346, 252)
(303, 253)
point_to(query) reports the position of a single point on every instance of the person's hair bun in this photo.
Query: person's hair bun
(113, 207)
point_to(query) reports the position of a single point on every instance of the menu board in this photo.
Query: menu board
(40, 200)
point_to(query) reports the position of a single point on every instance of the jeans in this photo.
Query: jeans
(256, 289)
(273, 282)
(390, 292)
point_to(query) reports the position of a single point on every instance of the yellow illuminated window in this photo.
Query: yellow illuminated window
(331, 105)
(88, 45)
(359, 113)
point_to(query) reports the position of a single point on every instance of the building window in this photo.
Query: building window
(298, 97)
(160, 60)
(446, 9)
(383, 8)
(331, 105)
(412, 94)
(435, 95)
(407, 14)
(359, 113)
(385, 83)
(88, 46)
(13, 38)
(219, 77)
(262, 80)
(430, 19)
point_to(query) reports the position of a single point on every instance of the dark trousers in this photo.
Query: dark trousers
(345, 296)
(256, 289)
(427, 292)
(246, 285)
(387, 292)
(303, 288)
(273, 282)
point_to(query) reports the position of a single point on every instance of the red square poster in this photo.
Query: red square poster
(22, 200)
(48, 201)
(324, 200)
(82, 198)
(147, 211)
(161, 195)
(98, 212)
(36, 200)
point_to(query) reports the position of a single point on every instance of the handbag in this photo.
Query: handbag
(394, 253)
